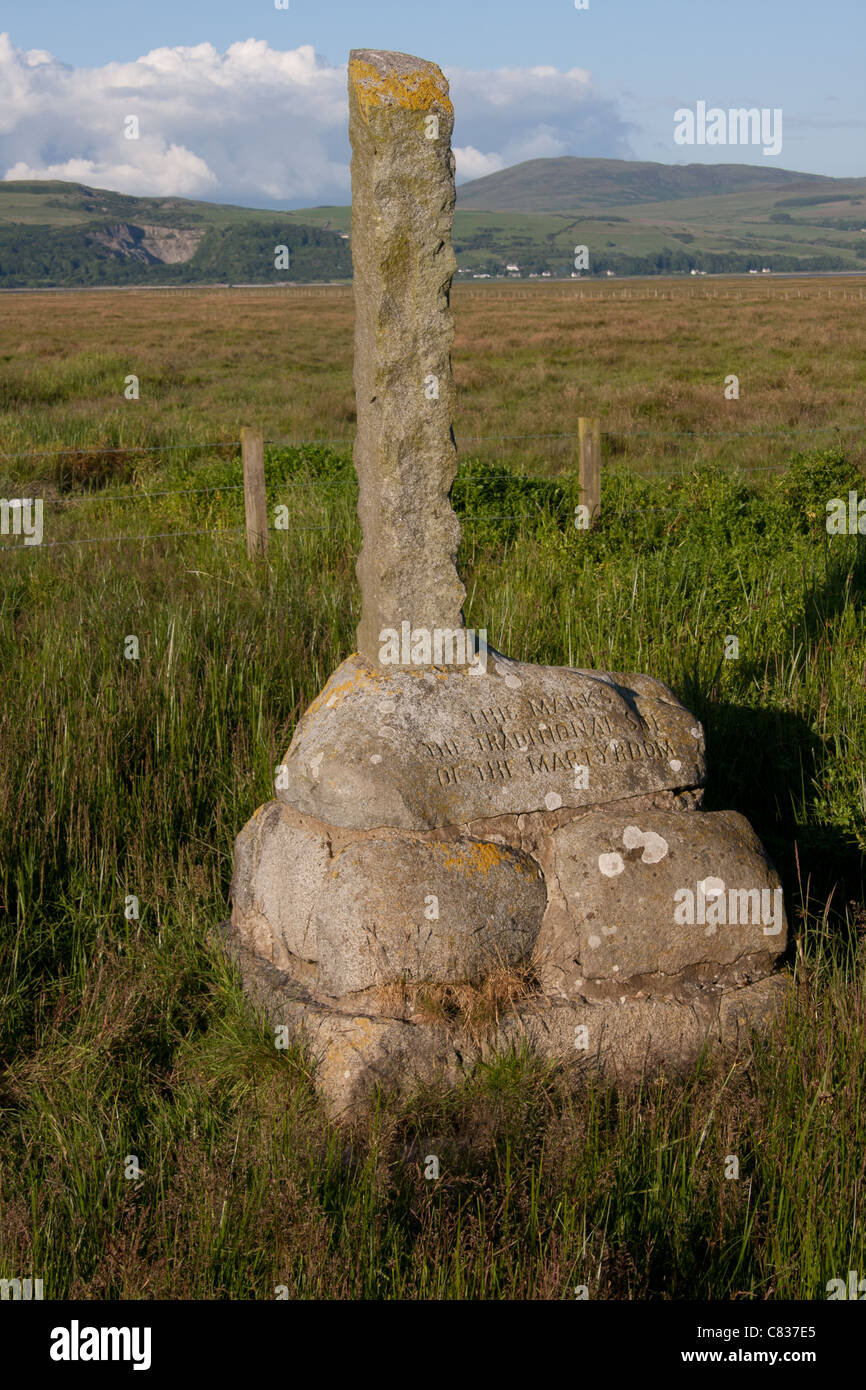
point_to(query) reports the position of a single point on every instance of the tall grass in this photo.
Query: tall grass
(528, 362)
(126, 1037)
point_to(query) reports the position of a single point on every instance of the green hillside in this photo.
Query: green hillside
(566, 183)
(635, 218)
(66, 234)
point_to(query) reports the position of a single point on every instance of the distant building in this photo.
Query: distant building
(512, 268)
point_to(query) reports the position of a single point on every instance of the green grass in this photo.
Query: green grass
(125, 1037)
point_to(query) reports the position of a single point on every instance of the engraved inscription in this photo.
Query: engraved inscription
(446, 749)
(575, 737)
(494, 714)
(498, 771)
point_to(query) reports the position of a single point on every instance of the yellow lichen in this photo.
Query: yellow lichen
(414, 91)
(333, 694)
(472, 858)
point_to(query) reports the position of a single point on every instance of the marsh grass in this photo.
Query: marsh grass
(131, 1037)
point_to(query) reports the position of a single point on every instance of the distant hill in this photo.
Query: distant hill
(55, 233)
(567, 184)
(635, 218)
(641, 218)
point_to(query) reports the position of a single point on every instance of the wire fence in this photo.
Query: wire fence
(756, 290)
(139, 495)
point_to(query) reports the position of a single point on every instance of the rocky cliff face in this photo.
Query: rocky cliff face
(148, 243)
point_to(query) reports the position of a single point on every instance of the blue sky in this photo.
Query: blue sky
(244, 102)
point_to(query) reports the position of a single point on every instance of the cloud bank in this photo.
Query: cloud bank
(263, 126)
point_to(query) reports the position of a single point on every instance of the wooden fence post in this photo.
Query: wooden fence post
(589, 439)
(255, 500)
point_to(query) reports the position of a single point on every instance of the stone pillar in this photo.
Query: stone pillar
(400, 124)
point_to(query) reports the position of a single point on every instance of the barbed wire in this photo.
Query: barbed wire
(96, 497)
(609, 512)
(99, 540)
(461, 439)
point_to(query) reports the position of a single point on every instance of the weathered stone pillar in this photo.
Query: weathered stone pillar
(400, 124)
(432, 829)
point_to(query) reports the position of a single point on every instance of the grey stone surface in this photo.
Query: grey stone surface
(400, 124)
(416, 910)
(552, 815)
(621, 1040)
(279, 871)
(443, 746)
(659, 894)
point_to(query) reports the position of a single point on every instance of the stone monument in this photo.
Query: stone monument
(444, 814)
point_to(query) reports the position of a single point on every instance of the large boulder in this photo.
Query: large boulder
(447, 745)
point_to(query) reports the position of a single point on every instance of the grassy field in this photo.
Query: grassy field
(123, 1038)
(528, 361)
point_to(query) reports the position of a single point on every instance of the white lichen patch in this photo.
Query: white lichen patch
(610, 864)
(513, 682)
(594, 942)
(675, 764)
(386, 706)
(314, 765)
(655, 847)
(375, 757)
(553, 801)
(695, 733)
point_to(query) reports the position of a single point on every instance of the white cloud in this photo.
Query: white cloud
(261, 125)
(534, 113)
(472, 164)
(174, 172)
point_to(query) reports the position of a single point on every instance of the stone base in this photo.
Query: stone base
(620, 1039)
(518, 843)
